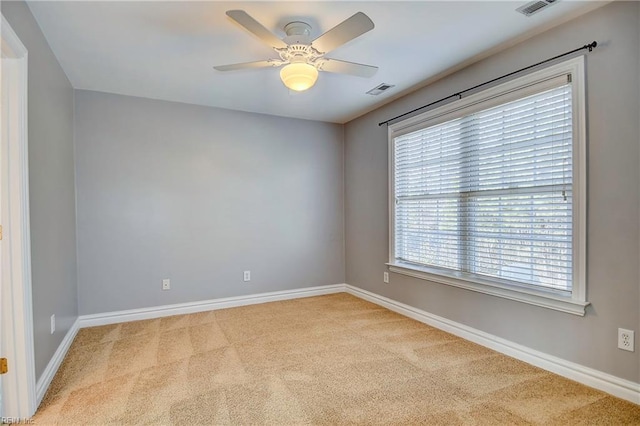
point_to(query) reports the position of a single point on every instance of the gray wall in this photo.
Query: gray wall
(51, 187)
(197, 195)
(613, 198)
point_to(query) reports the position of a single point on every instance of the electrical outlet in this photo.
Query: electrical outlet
(53, 323)
(385, 277)
(625, 339)
(246, 276)
(166, 284)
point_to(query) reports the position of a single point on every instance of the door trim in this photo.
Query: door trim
(19, 384)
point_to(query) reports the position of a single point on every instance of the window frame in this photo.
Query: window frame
(520, 87)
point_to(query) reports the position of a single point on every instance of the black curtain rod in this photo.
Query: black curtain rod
(589, 46)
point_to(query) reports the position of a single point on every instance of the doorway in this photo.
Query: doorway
(18, 385)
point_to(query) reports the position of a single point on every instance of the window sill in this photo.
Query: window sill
(543, 299)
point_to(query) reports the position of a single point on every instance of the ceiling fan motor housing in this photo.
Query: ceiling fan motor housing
(299, 49)
(297, 32)
(299, 53)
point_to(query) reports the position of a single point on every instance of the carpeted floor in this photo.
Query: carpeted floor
(331, 359)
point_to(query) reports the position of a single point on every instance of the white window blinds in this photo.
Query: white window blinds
(490, 193)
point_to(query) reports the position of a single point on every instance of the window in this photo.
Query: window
(488, 192)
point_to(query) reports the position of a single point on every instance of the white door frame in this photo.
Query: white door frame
(16, 321)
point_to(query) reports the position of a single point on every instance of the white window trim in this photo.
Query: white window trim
(577, 302)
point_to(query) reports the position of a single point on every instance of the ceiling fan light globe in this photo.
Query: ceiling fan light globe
(299, 76)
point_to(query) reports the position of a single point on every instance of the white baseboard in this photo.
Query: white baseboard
(54, 364)
(205, 305)
(613, 385)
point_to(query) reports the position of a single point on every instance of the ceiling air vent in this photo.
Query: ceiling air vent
(380, 88)
(534, 7)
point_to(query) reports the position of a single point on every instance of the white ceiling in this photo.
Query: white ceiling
(167, 50)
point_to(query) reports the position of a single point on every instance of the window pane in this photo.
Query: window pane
(525, 238)
(428, 232)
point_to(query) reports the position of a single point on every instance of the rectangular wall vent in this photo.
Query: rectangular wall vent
(380, 88)
(534, 6)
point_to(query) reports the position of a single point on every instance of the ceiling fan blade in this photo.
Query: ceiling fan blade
(344, 32)
(246, 65)
(344, 67)
(255, 27)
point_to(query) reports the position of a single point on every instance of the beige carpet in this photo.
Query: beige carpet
(322, 360)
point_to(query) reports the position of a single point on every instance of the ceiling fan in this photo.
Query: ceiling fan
(301, 57)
